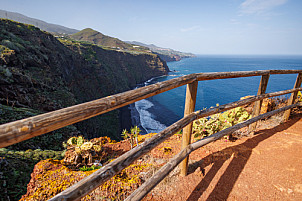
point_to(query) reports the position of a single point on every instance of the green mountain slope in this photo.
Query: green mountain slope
(41, 73)
(35, 22)
(37, 71)
(95, 37)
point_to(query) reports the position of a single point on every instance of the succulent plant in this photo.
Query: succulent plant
(80, 141)
(81, 152)
(134, 133)
(97, 148)
(299, 96)
(209, 125)
(86, 146)
(72, 141)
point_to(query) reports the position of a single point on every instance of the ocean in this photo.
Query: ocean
(156, 113)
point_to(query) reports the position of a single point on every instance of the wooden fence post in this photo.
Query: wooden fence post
(293, 96)
(187, 131)
(257, 106)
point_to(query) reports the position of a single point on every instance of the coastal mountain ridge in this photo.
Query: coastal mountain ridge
(54, 28)
(95, 37)
(108, 42)
(167, 54)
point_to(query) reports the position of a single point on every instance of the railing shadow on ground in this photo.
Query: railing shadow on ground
(227, 181)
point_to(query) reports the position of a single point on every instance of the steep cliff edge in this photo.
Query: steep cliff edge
(37, 71)
(41, 73)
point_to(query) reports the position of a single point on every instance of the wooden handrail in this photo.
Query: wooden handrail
(237, 74)
(102, 175)
(24, 129)
(147, 186)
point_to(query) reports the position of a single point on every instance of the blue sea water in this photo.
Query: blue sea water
(157, 112)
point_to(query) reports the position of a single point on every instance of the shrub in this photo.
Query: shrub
(80, 152)
(209, 125)
(133, 135)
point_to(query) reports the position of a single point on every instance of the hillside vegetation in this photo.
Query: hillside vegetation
(54, 28)
(107, 42)
(41, 73)
(166, 54)
(95, 37)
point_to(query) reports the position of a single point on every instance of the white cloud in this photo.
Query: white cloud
(234, 21)
(250, 7)
(188, 29)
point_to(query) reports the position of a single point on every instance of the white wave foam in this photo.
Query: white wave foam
(146, 118)
(174, 75)
(144, 104)
(148, 82)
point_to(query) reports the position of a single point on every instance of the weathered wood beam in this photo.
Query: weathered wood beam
(284, 71)
(187, 131)
(293, 96)
(24, 129)
(146, 187)
(257, 106)
(102, 175)
(237, 74)
(228, 106)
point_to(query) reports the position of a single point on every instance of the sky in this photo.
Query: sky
(257, 27)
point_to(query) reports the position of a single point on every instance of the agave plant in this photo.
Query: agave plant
(134, 133)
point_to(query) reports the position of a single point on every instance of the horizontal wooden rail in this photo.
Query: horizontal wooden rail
(102, 175)
(24, 129)
(18, 131)
(146, 187)
(237, 74)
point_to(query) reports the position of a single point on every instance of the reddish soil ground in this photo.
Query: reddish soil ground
(264, 167)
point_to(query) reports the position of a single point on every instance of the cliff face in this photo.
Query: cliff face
(39, 72)
(109, 72)
(119, 71)
(169, 58)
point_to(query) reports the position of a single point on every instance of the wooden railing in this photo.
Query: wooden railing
(18, 131)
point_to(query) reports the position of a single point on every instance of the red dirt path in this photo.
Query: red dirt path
(267, 166)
